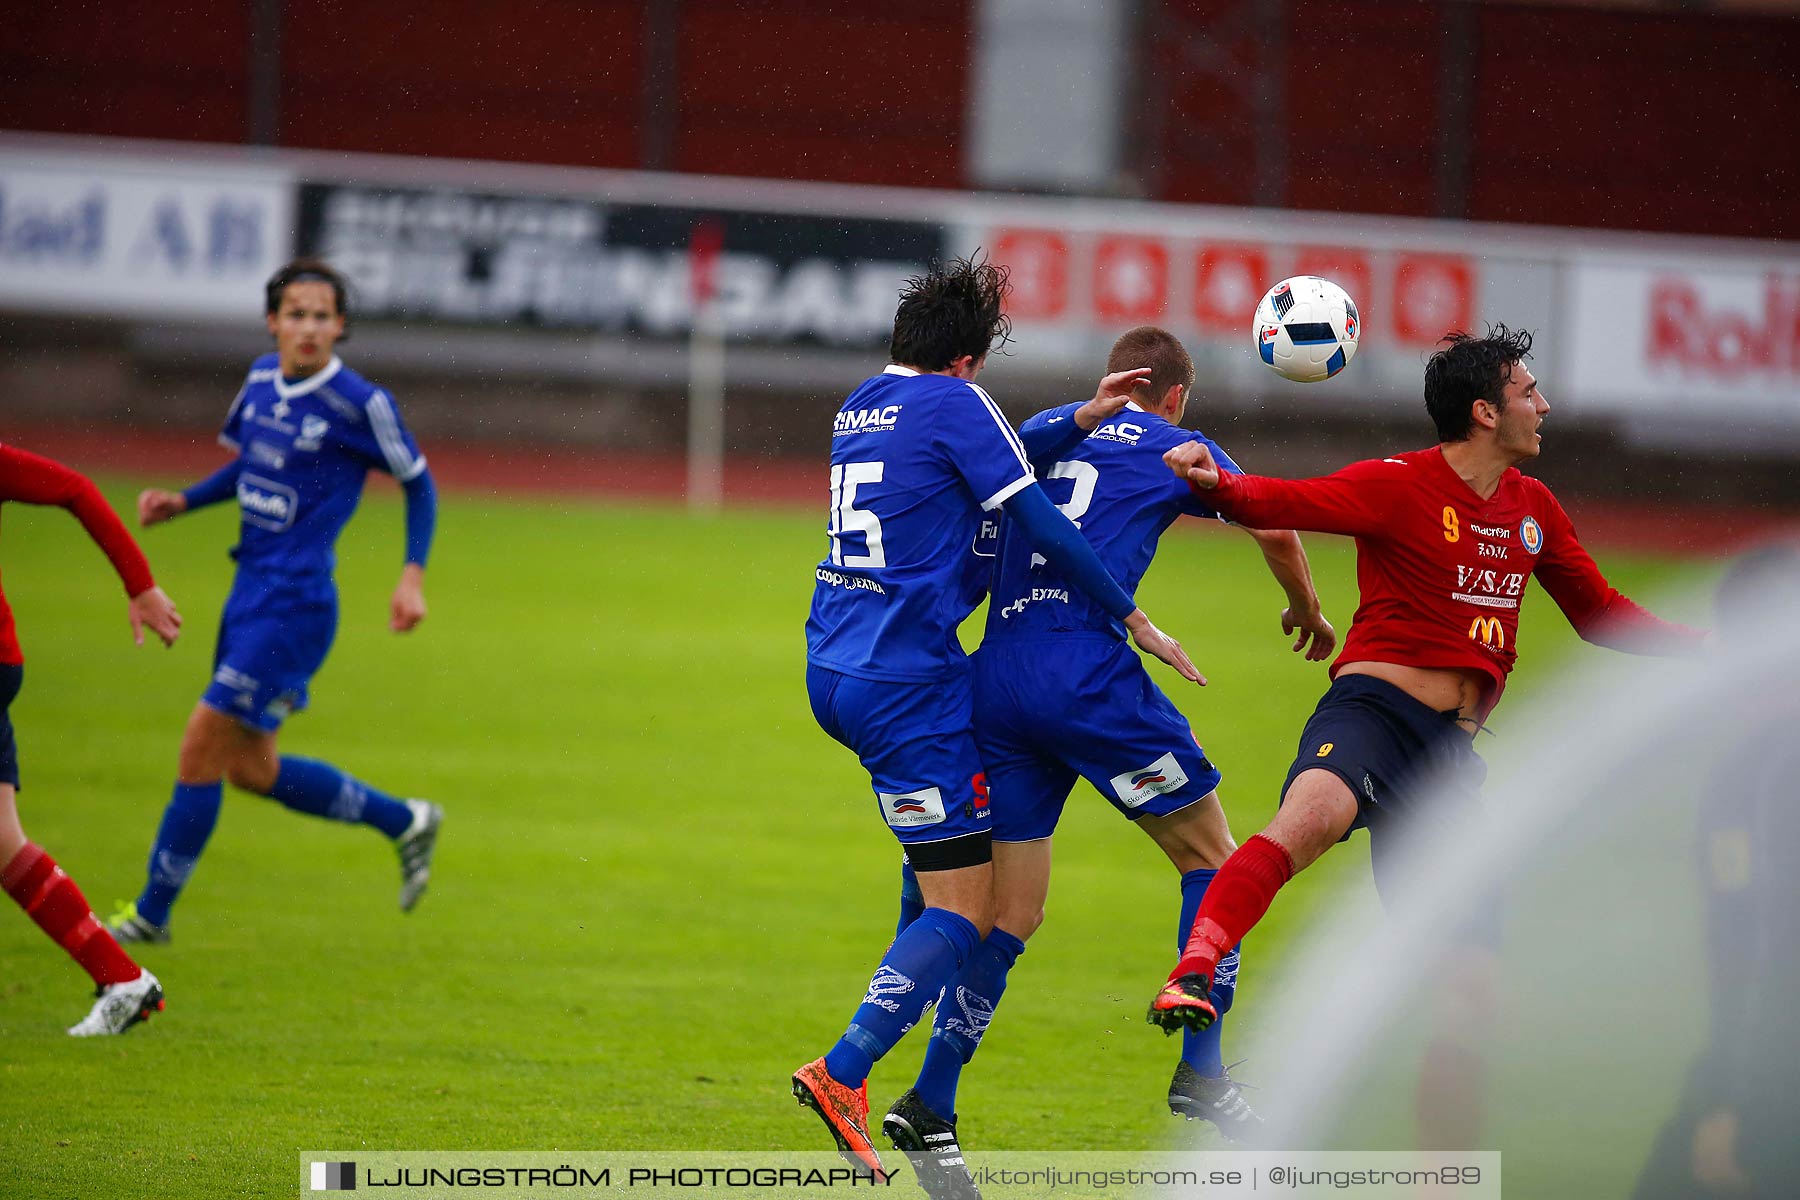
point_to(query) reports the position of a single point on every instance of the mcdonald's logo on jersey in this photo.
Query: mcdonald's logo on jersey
(1489, 632)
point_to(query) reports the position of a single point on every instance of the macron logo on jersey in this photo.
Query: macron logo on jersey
(1159, 778)
(905, 810)
(866, 420)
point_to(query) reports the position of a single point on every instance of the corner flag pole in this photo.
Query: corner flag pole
(706, 373)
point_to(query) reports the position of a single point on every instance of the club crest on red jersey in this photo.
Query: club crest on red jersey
(1531, 534)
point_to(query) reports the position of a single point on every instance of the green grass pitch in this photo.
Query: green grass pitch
(660, 888)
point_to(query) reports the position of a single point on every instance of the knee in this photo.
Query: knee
(252, 774)
(1020, 920)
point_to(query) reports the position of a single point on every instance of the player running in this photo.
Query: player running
(1059, 696)
(306, 430)
(918, 454)
(1446, 539)
(124, 992)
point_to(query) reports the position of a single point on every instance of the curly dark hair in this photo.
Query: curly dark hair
(308, 270)
(954, 308)
(1468, 369)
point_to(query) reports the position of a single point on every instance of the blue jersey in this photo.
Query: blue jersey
(1114, 487)
(304, 450)
(916, 460)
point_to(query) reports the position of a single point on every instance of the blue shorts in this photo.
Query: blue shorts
(1385, 745)
(272, 640)
(914, 741)
(1053, 708)
(12, 676)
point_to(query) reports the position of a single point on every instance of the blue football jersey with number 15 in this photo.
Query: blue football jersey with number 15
(915, 462)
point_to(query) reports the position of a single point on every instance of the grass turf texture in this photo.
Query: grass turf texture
(659, 890)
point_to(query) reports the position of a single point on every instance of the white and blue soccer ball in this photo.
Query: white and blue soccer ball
(1306, 329)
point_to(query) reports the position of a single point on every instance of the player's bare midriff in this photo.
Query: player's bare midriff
(1442, 688)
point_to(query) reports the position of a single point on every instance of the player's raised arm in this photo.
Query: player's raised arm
(34, 479)
(1049, 435)
(1356, 501)
(1599, 612)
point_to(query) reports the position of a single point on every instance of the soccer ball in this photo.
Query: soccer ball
(1306, 329)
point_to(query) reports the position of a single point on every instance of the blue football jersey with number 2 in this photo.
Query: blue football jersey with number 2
(916, 462)
(1117, 491)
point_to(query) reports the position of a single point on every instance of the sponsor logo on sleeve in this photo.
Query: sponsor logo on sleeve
(1159, 778)
(905, 810)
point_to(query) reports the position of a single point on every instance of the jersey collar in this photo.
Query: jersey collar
(897, 369)
(312, 383)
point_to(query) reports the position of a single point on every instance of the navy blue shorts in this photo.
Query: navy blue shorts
(914, 741)
(273, 639)
(1053, 709)
(12, 676)
(1384, 744)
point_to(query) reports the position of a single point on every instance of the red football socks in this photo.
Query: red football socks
(1235, 901)
(50, 898)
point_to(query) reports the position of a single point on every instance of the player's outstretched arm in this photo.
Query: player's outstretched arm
(1359, 501)
(156, 505)
(1056, 538)
(34, 479)
(1303, 617)
(1599, 612)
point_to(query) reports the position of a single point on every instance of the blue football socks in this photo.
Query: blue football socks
(915, 969)
(1201, 1051)
(310, 786)
(186, 824)
(962, 1017)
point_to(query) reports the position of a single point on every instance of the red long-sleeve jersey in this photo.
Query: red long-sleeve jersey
(33, 479)
(1441, 571)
